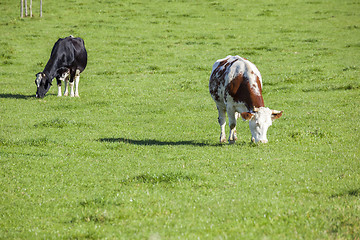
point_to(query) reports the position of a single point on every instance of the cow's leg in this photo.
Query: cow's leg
(237, 115)
(63, 77)
(66, 91)
(232, 124)
(77, 79)
(222, 122)
(71, 85)
(59, 86)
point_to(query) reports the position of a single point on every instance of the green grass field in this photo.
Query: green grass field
(137, 155)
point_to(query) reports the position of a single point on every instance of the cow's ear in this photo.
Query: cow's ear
(247, 115)
(276, 114)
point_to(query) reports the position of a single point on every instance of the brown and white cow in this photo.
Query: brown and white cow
(236, 87)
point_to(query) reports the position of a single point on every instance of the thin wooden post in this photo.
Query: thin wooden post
(40, 8)
(22, 8)
(30, 8)
(26, 10)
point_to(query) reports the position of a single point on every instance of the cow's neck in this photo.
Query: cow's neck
(255, 100)
(51, 69)
(243, 91)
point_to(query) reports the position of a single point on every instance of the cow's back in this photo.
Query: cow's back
(71, 52)
(236, 79)
(80, 53)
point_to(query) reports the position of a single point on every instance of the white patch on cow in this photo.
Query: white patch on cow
(66, 91)
(237, 68)
(71, 85)
(38, 79)
(77, 79)
(251, 72)
(64, 77)
(59, 90)
(254, 69)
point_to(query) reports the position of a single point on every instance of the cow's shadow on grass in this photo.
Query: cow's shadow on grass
(16, 96)
(153, 142)
(21, 96)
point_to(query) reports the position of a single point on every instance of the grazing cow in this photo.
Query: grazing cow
(236, 87)
(67, 60)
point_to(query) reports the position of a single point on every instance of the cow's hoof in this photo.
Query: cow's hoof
(222, 140)
(231, 141)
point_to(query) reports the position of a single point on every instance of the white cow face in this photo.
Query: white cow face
(39, 77)
(260, 121)
(42, 84)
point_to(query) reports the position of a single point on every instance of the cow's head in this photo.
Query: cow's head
(259, 121)
(43, 84)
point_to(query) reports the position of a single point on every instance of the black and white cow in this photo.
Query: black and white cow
(236, 87)
(67, 60)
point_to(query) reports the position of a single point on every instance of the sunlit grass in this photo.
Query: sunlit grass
(137, 155)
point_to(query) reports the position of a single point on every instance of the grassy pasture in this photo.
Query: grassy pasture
(137, 155)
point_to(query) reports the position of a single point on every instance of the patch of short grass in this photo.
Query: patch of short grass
(137, 155)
